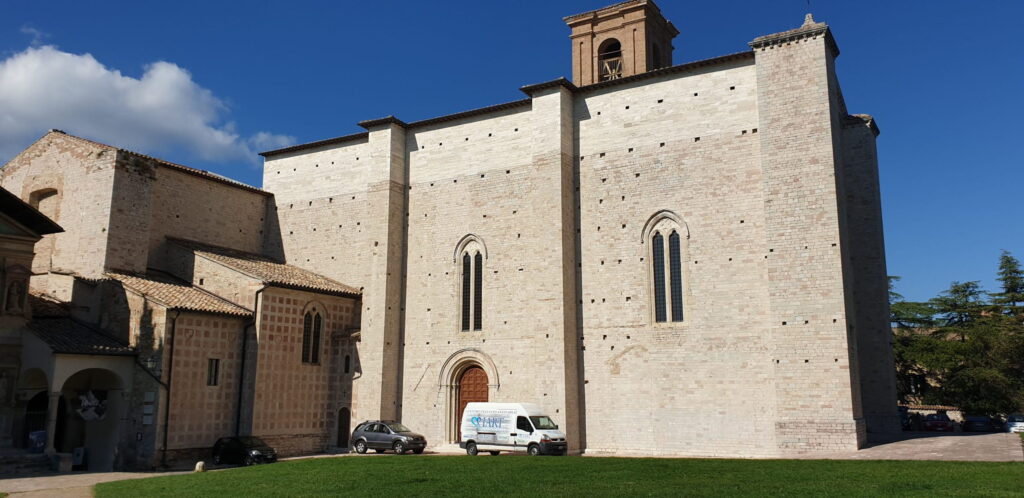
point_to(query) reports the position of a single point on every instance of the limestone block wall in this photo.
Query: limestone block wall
(295, 403)
(505, 179)
(82, 174)
(866, 247)
(688, 144)
(190, 207)
(200, 413)
(817, 396)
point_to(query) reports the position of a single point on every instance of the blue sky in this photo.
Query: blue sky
(209, 83)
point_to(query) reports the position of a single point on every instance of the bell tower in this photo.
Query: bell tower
(620, 40)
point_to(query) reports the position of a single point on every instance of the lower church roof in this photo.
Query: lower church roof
(67, 336)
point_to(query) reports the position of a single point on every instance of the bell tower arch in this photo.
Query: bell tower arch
(620, 40)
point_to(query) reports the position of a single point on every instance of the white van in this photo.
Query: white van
(497, 427)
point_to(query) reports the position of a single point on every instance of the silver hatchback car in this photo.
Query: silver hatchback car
(383, 435)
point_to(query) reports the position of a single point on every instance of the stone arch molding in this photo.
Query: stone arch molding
(469, 241)
(660, 216)
(462, 359)
(319, 307)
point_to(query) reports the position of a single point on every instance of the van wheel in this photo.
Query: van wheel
(471, 449)
(494, 453)
(533, 450)
(360, 446)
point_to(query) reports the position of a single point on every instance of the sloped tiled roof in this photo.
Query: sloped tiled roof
(47, 307)
(67, 336)
(176, 295)
(268, 270)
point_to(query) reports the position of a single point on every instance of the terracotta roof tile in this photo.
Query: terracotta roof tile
(177, 295)
(67, 336)
(269, 270)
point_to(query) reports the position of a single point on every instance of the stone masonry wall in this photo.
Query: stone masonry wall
(688, 144)
(83, 175)
(817, 407)
(867, 258)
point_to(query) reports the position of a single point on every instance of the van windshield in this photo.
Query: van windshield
(543, 422)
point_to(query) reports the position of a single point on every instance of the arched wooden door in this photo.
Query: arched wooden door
(344, 420)
(472, 389)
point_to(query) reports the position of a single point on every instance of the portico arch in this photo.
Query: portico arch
(453, 372)
(94, 404)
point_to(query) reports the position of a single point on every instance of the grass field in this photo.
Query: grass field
(389, 475)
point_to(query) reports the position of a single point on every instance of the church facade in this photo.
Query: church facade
(673, 260)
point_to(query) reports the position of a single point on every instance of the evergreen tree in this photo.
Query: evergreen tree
(1012, 278)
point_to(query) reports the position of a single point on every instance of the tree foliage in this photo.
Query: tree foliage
(964, 347)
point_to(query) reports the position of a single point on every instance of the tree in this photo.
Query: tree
(1012, 278)
(962, 348)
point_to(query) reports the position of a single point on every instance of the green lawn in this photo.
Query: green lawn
(389, 475)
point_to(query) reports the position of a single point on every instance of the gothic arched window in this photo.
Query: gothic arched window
(312, 326)
(472, 253)
(665, 233)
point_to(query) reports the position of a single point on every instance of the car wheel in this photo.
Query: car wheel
(471, 449)
(360, 446)
(418, 451)
(494, 453)
(216, 459)
(248, 460)
(399, 447)
(533, 450)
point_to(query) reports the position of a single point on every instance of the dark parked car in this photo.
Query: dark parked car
(245, 450)
(938, 422)
(981, 423)
(383, 435)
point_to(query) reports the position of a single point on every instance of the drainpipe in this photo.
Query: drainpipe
(241, 368)
(167, 400)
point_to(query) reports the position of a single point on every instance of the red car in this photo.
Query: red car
(938, 422)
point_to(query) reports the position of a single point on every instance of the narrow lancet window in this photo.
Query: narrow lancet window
(467, 281)
(307, 336)
(314, 356)
(478, 292)
(658, 263)
(675, 277)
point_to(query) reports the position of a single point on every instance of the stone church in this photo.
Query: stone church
(670, 259)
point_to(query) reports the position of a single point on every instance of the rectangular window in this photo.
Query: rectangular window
(212, 371)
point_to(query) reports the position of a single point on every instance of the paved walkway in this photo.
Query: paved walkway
(958, 446)
(76, 484)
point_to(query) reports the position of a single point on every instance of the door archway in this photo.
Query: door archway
(344, 421)
(472, 388)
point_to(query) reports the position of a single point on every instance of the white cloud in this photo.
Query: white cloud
(162, 111)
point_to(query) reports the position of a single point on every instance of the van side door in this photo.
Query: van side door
(524, 433)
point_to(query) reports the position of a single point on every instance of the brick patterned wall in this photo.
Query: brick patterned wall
(295, 401)
(200, 414)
